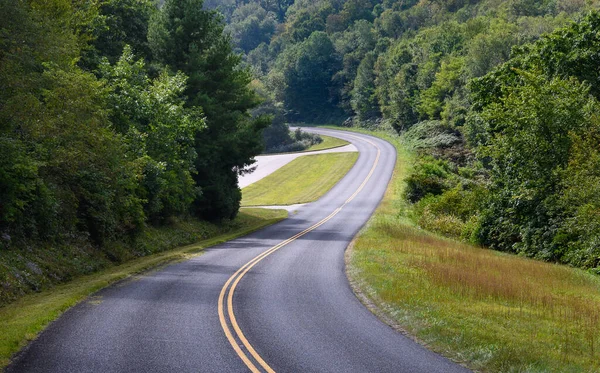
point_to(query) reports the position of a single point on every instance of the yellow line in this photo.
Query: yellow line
(228, 334)
(240, 273)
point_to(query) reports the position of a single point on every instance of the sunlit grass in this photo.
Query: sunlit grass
(305, 179)
(493, 311)
(23, 319)
(328, 143)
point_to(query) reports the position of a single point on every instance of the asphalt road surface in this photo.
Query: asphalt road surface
(276, 300)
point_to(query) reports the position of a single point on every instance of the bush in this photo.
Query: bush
(432, 134)
(453, 213)
(430, 177)
(279, 139)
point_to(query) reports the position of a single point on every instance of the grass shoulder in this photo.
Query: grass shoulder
(328, 143)
(489, 310)
(303, 180)
(23, 319)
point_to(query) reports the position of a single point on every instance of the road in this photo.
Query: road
(276, 300)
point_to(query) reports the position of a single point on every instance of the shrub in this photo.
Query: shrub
(453, 213)
(430, 177)
(279, 139)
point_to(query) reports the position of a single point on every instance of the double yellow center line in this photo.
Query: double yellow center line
(228, 290)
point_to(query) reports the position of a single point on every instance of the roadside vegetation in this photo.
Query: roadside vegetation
(489, 310)
(279, 139)
(117, 118)
(22, 320)
(305, 179)
(328, 143)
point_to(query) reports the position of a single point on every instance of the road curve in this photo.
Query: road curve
(293, 308)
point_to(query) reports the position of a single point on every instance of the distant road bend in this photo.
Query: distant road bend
(275, 300)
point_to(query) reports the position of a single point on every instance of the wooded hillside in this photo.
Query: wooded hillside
(498, 98)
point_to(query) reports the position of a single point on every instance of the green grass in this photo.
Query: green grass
(328, 143)
(23, 319)
(303, 180)
(492, 311)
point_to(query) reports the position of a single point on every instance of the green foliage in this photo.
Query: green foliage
(429, 178)
(432, 134)
(307, 70)
(353, 44)
(364, 100)
(71, 174)
(94, 158)
(446, 82)
(431, 48)
(530, 141)
(279, 139)
(96, 187)
(251, 26)
(306, 17)
(490, 49)
(579, 233)
(221, 88)
(572, 51)
(120, 23)
(160, 132)
(454, 213)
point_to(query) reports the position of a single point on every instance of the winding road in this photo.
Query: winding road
(275, 300)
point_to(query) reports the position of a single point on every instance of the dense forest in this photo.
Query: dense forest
(497, 98)
(114, 116)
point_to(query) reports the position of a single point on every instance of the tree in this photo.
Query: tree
(529, 141)
(353, 44)
(250, 26)
(571, 51)
(121, 22)
(159, 130)
(447, 81)
(308, 69)
(491, 48)
(279, 7)
(190, 39)
(64, 172)
(364, 100)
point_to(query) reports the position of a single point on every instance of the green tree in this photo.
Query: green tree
(579, 232)
(160, 132)
(71, 174)
(352, 44)
(308, 69)
(364, 101)
(571, 51)
(447, 81)
(251, 26)
(529, 141)
(190, 39)
(121, 22)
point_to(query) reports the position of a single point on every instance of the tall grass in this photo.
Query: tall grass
(492, 311)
